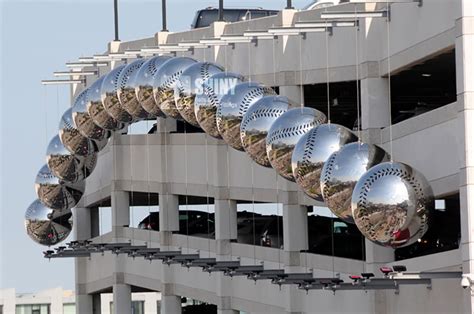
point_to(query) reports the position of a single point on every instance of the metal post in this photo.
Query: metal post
(289, 4)
(221, 10)
(116, 20)
(163, 14)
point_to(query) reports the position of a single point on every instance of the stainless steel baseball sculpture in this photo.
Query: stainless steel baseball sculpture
(126, 91)
(234, 105)
(206, 103)
(67, 166)
(391, 204)
(312, 151)
(166, 79)
(341, 172)
(46, 226)
(285, 133)
(83, 121)
(190, 84)
(73, 140)
(109, 96)
(257, 122)
(57, 194)
(96, 108)
(145, 82)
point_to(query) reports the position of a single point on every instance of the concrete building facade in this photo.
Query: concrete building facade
(172, 164)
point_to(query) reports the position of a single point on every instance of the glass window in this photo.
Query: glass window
(69, 308)
(33, 309)
(138, 307)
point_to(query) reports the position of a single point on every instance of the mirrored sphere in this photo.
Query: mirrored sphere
(285, 133)
(72, 139)
(126, 91)
(257, 122)
(109, 96)
(46, 226)
(57, 194)
(67, 166)
(190, 84)
(341, 172)
(96, 109)
(233, 105)
(392, 204)
(83, 122)
(166, 79)
(206, 103)
(145, 82)
(312, 151)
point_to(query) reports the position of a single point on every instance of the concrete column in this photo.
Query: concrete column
(465, 95)
(169, 217)
(170, 304)
(122, 298)
(120, 209)
(295, 228)
(293, 93)
(374, 103)
(226, 225)
(95, 222)
(83, 231)
(165, 126)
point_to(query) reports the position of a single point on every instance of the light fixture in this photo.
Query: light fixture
(192, 44)
(214, 42)
(234, 39)
(420, 2)
(86, 64)
(74, 73)
(426, 74)
(259, 35)
(60, 82)
(353, 15)
(291, 31)
(326, 24)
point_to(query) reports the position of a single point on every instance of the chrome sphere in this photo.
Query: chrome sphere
(256, 123)
(311, 153)
(234, 104)
(145, 82)
(46, 226)
(73, 140)
(96, 109)
(84, 123)
(67, 166)
(285, 133)
(109, 96)
(392, 204)
(166, 79)
(207, 102)
(189, 85)
(126, 91)
(56, 194)
(341, 172)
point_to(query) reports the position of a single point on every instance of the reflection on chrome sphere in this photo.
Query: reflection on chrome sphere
(84, 123)
(206, 103)
(341, 172)
(285, 133)
(126, 91)
(96, 109)
(57, 194)
(166, 79)
(190, 84)
(257, 122)
(145, 82)
(109, 96)
(73, 140)
(392, 204)
(234, 104)
(67, 166)
(46, 226)
(312, 151)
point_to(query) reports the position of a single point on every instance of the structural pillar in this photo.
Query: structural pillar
(294, 93)
(83, 231)
(375, 109)
(120, 209)
(169, 217)
(465, 96)
(122, 299)
(170, 304)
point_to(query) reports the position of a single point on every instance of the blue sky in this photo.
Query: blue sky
(37, 38)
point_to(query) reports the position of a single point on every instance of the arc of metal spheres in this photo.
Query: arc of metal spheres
(390, 202)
